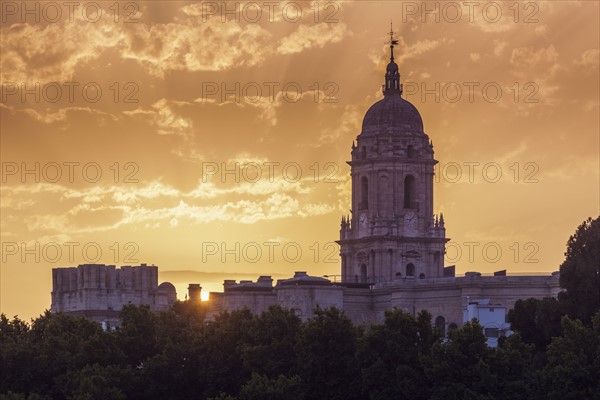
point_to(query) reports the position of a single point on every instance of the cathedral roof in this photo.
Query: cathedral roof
(166, 287)
(302, 278)
(394, 115)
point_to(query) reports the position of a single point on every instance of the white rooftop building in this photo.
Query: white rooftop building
(492, 317)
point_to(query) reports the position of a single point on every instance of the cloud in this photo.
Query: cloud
(350, 123)
(307, 37)
(196, 46)
(110, 207)
(528, 59)
(54, 52)
(38, 53)
(539, 67)
(163, 115)
(276, 206)
(60, 115)
(499, 47)
(510, 157)
(589, 58)
(132, 194)
(491, 18)
(574, 167)
(415, 50)
(541, 30)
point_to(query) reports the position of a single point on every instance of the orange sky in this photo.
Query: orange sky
(187, 88)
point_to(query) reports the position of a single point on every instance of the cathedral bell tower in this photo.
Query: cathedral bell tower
(392, 232)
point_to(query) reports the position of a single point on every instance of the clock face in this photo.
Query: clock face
(363, 219)
(410, 221)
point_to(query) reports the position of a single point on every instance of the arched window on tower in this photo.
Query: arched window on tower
(363, 153)
(410, 270)
(410, 151)
(364, 194)
(409, 192)
(384, 196)
(363, 273)
(440, 324)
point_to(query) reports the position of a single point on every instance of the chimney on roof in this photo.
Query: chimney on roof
(194, 291)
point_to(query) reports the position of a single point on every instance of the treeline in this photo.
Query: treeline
(175, 355)
(554, 354)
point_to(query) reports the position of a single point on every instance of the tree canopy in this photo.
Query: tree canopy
(241, 356)
(580, 272)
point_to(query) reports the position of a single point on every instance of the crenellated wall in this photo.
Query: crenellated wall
(100, 291)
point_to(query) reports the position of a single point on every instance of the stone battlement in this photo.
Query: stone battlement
(100, 291)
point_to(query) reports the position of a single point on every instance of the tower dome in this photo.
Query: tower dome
(392, 114)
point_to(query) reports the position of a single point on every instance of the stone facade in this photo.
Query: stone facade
(392, 231)
(445, 297)
(392, 245)
(99, 291)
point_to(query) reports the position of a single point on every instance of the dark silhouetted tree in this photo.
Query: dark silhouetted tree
(327, 355)
(537, 320)
(580, 272)
(260, 387)
(460, 369)
(573, 372)
(389, 355)
(137, 333)
(273, 342)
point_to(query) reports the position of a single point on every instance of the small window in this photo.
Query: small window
(491, 332)
(421, 276)
(409, 192)
(410, 270)
(363, 271)
(364, 193)
(440, 323)
(491, 309)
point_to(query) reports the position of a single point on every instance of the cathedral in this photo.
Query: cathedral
(392, 232)
(392, 247)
